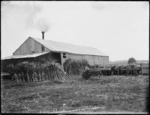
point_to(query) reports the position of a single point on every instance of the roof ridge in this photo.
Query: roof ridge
(69, 47)
(65, 43)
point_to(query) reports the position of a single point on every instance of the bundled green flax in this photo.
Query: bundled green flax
(37, 71)
(75, 67)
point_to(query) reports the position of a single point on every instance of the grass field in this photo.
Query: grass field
(108, 94)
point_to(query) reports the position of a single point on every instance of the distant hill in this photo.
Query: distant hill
(124, 62)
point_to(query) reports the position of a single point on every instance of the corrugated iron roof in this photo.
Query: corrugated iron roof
(70, 48)
(24, 56)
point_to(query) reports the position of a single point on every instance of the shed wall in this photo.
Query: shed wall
(30, 46)
(92, 59)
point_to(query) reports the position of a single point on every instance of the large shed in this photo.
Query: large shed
(62, 51)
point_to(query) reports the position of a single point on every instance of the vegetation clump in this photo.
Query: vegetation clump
(86, 75)
(131, 60)
(73, 67)
(36, 71)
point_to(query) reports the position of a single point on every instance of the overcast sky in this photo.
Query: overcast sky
(119, 29)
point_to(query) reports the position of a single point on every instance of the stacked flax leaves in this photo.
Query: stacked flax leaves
(37, 71)
(75, 67)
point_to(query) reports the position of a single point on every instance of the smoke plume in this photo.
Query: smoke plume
(25, 14)
(22, 12)
(43, 25)
(17, 19)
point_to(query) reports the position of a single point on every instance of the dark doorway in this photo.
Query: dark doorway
(57, 57)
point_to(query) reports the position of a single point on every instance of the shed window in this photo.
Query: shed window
(64, 55)
(43, 49)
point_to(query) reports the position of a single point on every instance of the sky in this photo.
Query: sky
(118, 29)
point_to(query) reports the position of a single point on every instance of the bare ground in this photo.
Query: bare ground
(107, 94)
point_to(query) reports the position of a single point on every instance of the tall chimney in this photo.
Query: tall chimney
(43, 35)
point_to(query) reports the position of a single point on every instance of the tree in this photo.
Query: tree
(131, 60)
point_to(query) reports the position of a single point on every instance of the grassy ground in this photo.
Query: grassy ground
(110, 93)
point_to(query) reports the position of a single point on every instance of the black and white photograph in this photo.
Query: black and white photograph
(75, 57)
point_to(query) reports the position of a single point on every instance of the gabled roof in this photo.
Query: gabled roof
(69, 48)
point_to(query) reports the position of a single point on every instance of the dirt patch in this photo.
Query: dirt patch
(14, 109)
(28, 97)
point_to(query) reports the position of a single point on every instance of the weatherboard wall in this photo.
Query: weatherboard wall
(30, 46)
(92, 59)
